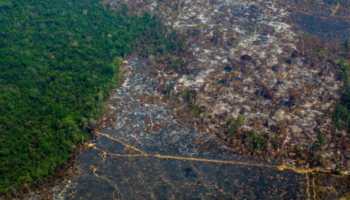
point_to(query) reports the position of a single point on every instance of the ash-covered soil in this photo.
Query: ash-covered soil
(173, 134)
(171, 161)
(333, 28)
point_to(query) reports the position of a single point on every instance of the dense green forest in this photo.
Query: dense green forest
(58, 62)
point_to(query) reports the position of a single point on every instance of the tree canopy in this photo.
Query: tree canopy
(58, 62)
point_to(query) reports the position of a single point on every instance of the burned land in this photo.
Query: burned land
(252, 78)
(254, 88)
